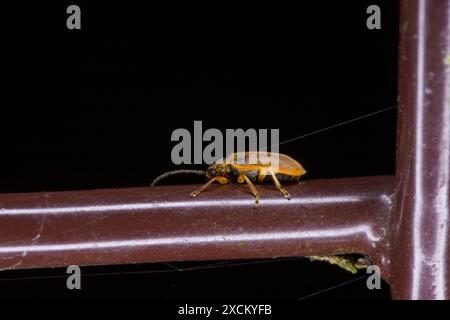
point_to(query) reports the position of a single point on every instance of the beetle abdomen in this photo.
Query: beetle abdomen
(253, 176)
(282, 178)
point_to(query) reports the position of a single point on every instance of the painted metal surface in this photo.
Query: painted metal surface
(421, 246)
(166, 224)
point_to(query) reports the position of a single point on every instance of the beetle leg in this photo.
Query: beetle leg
(262, 174)
(278, 185)
(203, 188)
(252, 187)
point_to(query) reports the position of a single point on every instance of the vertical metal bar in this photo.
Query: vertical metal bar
(421, 248)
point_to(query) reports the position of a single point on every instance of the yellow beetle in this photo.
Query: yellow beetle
(241, 167)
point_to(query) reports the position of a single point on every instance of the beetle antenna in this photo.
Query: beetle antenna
(176, 172)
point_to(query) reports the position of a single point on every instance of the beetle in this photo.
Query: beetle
(250, 167)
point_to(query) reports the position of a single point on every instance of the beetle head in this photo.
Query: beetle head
(217, 170)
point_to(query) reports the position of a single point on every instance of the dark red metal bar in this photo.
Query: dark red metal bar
(166, 224)
(421, 247)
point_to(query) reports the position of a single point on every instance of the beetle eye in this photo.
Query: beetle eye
(212, 172)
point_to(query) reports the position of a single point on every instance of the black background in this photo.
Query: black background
(95, 108)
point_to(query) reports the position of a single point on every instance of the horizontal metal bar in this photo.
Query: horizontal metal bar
(157, 224)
